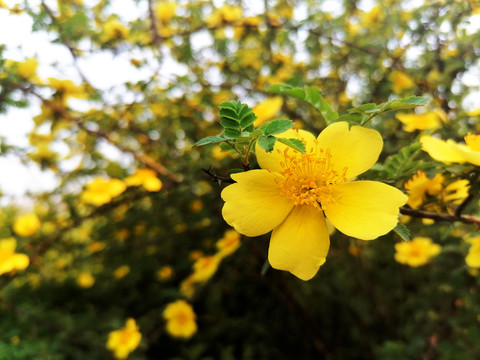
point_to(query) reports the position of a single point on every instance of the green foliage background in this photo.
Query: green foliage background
(361, 304)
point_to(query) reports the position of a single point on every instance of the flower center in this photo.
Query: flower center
(309, 178)
(473, 142)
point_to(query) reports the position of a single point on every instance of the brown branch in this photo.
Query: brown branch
(143, 158)
(157, 39)
(468, 219)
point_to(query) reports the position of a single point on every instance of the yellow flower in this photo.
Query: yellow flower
(417, 252)
(121, 271)
(229, 243)
(113, 30)
(26, 225)
(293, 193)
(455, 192)
(267, 110)
(180, 319)
(187, 287)
(67, 88)
(227, 13)
(204, 267)
(123, 341)
(412, 122)
(420, 185)
(28, 68)
(474, 113)
(165, 11)
(473, 256)
(165, 273)
(101, 191)
(147, 178)
(401, 81)
(451, 152)
(85, 279)
(9, 260)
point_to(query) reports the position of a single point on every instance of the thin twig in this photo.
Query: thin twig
(468, 219)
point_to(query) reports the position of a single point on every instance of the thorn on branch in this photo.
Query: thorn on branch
(218, 179)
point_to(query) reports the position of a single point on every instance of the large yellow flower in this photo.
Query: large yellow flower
(293, 193)
(451, 152)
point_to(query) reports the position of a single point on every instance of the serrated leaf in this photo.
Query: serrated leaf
(353, 118)
(278, 126)
(267, 142)
(365, 109)
(209, 140)
(403, 104)
(310, 95)
(232, 133)
(228, 113)
(229, 105)
(402, 231)
(248, 119)
(296, 144)
(228, 123)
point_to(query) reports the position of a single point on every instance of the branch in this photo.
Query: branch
(218, 179)
(468, 219)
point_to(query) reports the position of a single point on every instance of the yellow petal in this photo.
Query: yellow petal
(20, 261)
(254, 205)
(300, 244)
(272, 160)
(356, 149)
(365, 209)
(467, 154)
(444, 151)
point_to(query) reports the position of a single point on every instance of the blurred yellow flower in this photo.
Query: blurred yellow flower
(28, 68)
(180, 319)
(401, 81)
(455, 192)
(205, 266)
(417, 252)
(425, 121)
(451, 152)
(474, 113)
(121, 271)
(420, 185)
(113, 30)
(187, 287)
(9, 260)
(165, 11)
(147, 178)
(85, 279)
(165, 273)
(226, 14)
(125, 340)
(101, 191)
(293, 194)
(67, 88)
(26, 225)
(267, 109)
(229, 243)
(473, 257)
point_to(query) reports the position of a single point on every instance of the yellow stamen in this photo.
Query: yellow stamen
(309, 178)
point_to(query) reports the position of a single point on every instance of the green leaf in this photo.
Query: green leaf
(278, 126)
(402, 231)
(403, 104)
(267, 142)
(296, 144)
(310, 95)
(401, 163)
(232, 133)
(228, 123)
(365, 109)
(209, 140)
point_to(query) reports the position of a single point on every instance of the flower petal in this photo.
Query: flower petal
(365, 209)
(467, 154)
(356, 148)
(300, 244)
(273, 159)
(444, 151)
(254, 205)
